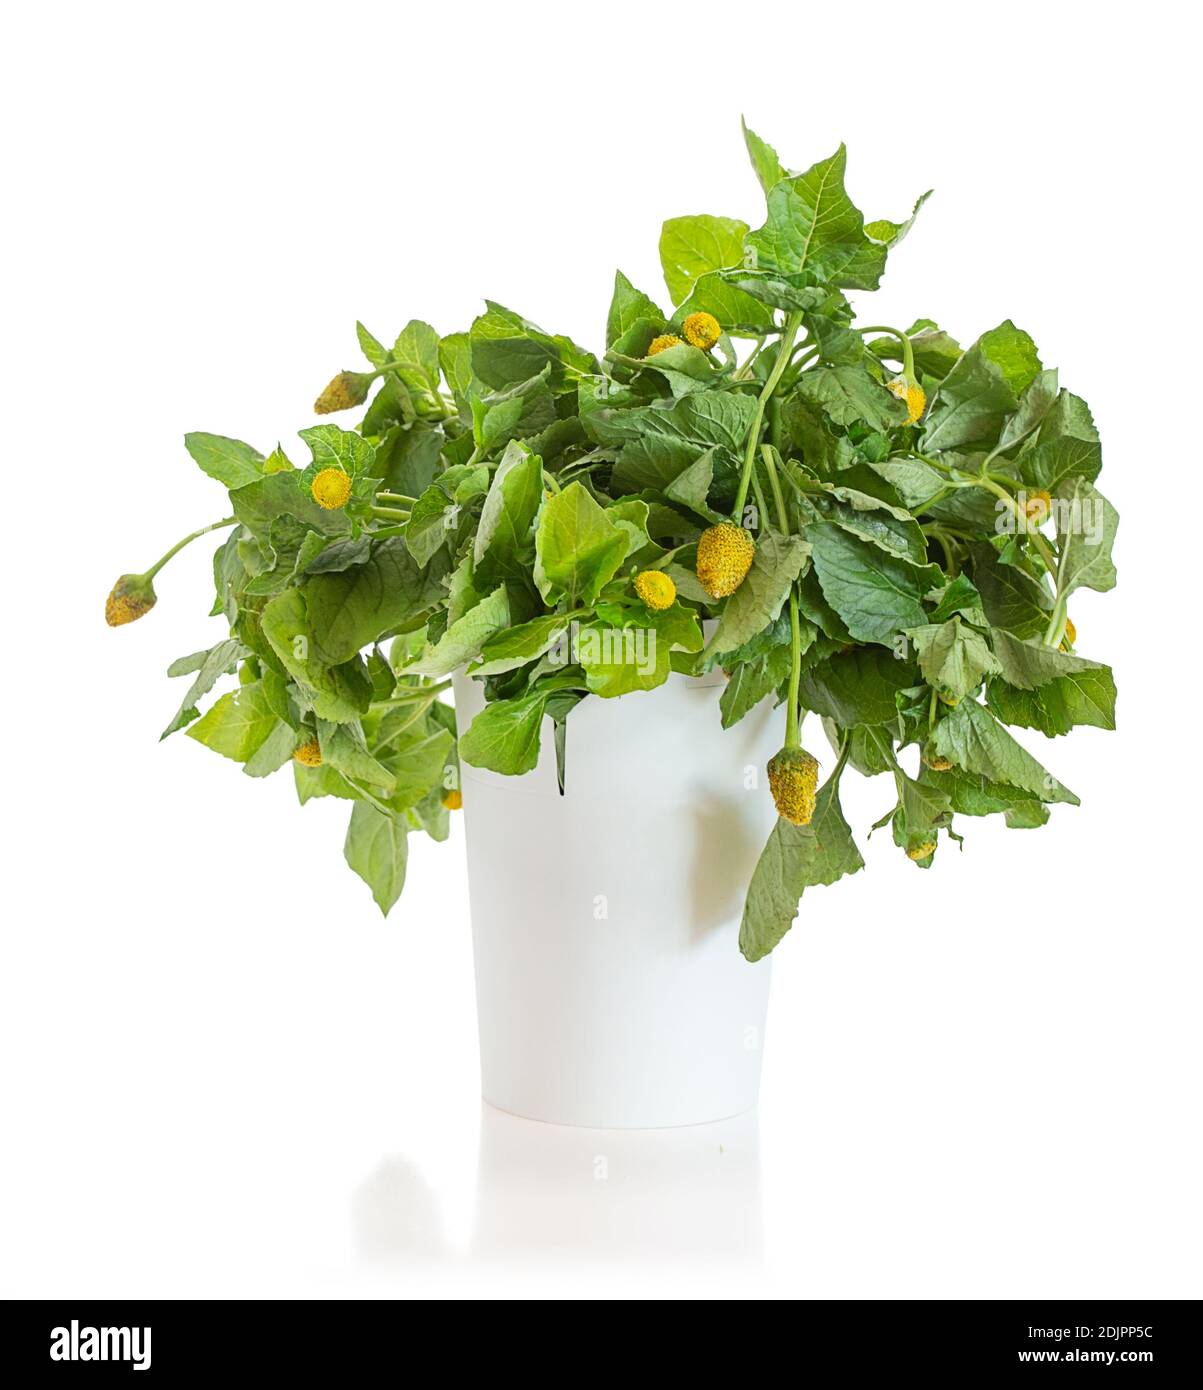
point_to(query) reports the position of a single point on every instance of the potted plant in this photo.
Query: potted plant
(639, 571)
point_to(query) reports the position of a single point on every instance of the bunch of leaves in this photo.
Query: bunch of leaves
(909, 587)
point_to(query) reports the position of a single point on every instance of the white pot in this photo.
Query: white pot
(610, 989)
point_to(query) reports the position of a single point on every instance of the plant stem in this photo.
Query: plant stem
(389, 514)
(395, 497)
(784, 348)
(793, 737)
(188, 539)
(908, 352)
(766, 452)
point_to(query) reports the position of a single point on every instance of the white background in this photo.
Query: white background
(221, 1073)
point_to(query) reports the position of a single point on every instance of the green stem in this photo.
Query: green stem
(766, 452)
(395, 497)
(389, 513)
(784, 348)
(908, 352)
(746, 370)
(188, 539)
(793, 736)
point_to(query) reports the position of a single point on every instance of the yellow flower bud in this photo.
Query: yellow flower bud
(453, 799)
(665, 340)
(346, 390)
(922, 851)
(936, 761)
(309, 754)
(132, 597)
(1071, 635)
(1037, 507)
(724, 558)
(656, 589)
(702, 330)
(910, 392)
(952, 701)
(331, 489)
(793, 777)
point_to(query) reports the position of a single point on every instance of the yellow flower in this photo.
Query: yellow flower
(656, 589)
(132, 597)
(1071, 635)
(1037, 507)
(309, 754)
(724, 558)
(793, 777)
(952, 701)
(665, 340)
(922, 851)
(331, 489)
(910, 392)
(453, 799)
(702, 330)
(937, 762)
(347, 389)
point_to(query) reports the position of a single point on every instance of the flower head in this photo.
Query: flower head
(923, 850)
(132, 597)
(912, 393)
(309, 753)
(346, 390)
(936, 761)
(724, 558)
(331, 488)
(656, 589)
(1071, 635)
(793, 777)
(665, 340)
(702, 330)
(453, 799)
(1037, 507)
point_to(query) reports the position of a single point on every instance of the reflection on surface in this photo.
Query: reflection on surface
(676, 1193)
(396, 1215)
(672, 1194)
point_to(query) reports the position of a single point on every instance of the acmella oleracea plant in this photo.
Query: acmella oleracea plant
(873, 525)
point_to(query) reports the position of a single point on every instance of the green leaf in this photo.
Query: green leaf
(975, 741)
(507, 349)
(777, 562)
(416, 352)
(953, 657)
(812, 225)
(376, 848)
(1012, 599)
(1086, 526)
(339, 693)
(739, 313)
(504, 736)
(970, 405)
(350, 610)
(503, 545)
(659, 444)
(344, 748)
(517, 645)
(212, 665)
(333, 447)
(796, 857)
(230, 461)
(691, 246)
(848, 394)
(1050, 690)
(769, 169)
(238, 723)
(463, 640)
(628, 307)
(752, 681)
(859, 687)
(876, 594)
(577, 547)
